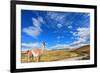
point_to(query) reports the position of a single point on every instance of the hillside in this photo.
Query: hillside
(83, 50)
(56, 55)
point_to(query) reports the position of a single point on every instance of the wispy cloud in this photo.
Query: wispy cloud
(83, 32)
(83, 35)
(70, 27)
(37, 21)
(59, 37)
(56, 16)
(59, 25)
(28, 46)
(41, 19)
(34, 30)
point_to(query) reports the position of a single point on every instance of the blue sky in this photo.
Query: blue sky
(57, 29)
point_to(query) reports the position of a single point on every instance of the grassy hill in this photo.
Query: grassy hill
(83, 50)
(56, 55)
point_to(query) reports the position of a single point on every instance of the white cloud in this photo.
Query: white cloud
(74, 33)
(36, 22)
(59, 25)
(28, 46)
(41, 19)
(70, 27)
(59, 17)
(34, 30)
(83, 35)
(83, 32)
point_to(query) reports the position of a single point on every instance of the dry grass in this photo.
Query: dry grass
(55, 55)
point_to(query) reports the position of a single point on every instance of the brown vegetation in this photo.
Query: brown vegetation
(56, 55)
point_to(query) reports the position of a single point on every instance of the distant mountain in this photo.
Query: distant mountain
(67, 47)
(60, 46)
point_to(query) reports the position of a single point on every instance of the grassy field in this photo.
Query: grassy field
(56, 55)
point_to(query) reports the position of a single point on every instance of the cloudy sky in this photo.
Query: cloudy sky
(57, 29)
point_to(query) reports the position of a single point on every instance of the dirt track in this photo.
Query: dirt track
(75, 58)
